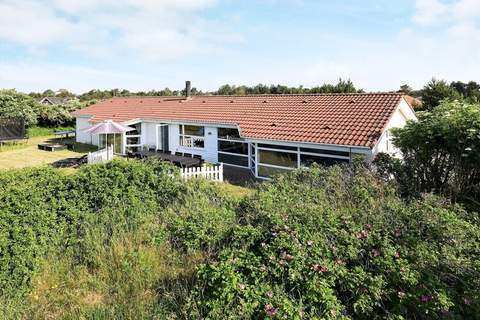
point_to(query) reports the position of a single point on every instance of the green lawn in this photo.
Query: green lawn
(28, 155)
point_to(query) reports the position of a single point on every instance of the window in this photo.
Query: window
(133, 139)
(233, 147)
(137, 131)
(273, 146)
(231, 159)
(308, 160)
(266, 172)
(228, 134)
(276, 158)
(323, 151)
(192, 136)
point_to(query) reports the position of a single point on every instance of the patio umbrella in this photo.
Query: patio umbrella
(108, 127)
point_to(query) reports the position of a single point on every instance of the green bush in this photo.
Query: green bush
(14, 104)
(441, 153)
(325, 244)
(41, 209)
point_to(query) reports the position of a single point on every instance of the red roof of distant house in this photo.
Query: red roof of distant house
(340, 119)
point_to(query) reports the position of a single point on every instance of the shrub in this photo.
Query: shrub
(441, 153)
(338, 243)
(42, 211)
(18, 105)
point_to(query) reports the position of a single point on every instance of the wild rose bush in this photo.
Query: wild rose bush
(340, 244)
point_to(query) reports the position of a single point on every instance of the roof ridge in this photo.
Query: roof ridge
(263, 95)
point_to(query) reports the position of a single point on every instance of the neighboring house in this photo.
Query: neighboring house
(55, 101)
(264, 133)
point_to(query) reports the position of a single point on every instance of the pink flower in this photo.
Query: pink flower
(333, 312)
(362, 235)
(269, 294)
(375, 252)
(281, 262)
(368, 227)
(272, 258)
(397, 233)
(288, 257)
(270, 310)
(401, 294)
(242, 286)
(467, 301)
(425, 298)
(396, 254)
(263, 244)
(309, 243)
(263, 268)
(319, 268)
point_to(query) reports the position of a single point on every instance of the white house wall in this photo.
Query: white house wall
(399, 119)
(82, 137)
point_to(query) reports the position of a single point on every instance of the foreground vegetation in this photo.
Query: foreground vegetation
(131, 240)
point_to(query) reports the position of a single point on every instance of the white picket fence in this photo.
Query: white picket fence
(101, 156)
(209, 172)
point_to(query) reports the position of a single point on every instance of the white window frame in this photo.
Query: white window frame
(184, 137)
(298, 152)
(236, 154)
(139, 136)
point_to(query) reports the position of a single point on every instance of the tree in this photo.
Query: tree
(406, 89)
(470, 91)
(441, 153)
(14, 104)
(435, 92)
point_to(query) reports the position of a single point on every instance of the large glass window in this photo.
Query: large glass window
(308, 160)
(266, 172)
(274, 146)
(228, 134)
(233, 147)
(324, 151)
(282, 159)
(137, 131)
(192, 130)
(192, 136)
(231, 159)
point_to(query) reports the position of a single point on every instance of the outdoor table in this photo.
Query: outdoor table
(184, 161)
(65, 134)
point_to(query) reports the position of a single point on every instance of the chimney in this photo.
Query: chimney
(188, 89)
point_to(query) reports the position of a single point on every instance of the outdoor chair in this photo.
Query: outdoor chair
(188, 155)
(197, 156)
(180, 154)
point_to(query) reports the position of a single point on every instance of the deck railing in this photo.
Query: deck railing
(209, 172)
(101, 156)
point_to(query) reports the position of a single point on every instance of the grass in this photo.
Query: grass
(43, 131)
(28, 154)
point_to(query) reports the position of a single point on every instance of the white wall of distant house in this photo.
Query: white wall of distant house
(399, 119)
(82, 124)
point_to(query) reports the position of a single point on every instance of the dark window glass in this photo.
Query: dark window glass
(228, 133)
(133, 140)
(272, 146)
(230, 159)
(307, 160)
(283, 159)
(233, 147)
(193, 130)
(269, 171)
(332, 152)
(137, 131)
(132, 149)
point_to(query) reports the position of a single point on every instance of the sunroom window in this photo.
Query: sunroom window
(192, 136)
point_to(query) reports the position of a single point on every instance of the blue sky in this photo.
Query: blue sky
(152, 44)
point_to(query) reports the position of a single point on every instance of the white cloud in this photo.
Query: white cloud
(430, 12)
(155, 29)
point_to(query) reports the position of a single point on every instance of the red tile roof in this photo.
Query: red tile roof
(340, 119)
